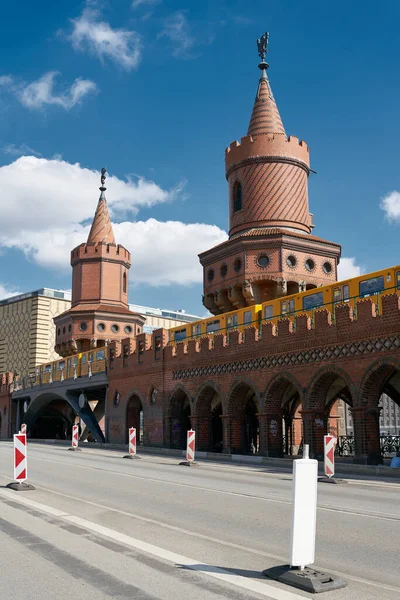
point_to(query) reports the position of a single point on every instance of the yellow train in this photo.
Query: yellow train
(375, 285)
(73, 366)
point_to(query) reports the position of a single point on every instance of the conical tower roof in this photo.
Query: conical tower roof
(101, 230)
(265, 117)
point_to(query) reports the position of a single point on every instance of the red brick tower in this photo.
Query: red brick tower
(99, 311)
(270, 251)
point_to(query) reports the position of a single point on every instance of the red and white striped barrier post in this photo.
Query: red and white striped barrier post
(132, 444)
(20, 464)
(190, 449)
(23, 428)
(75, 438)
(329, 455)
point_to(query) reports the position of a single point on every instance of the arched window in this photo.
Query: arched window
(237, 196)
(124, 283)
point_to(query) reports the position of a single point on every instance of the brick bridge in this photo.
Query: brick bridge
(265, 393)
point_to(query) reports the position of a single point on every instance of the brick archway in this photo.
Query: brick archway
(179, 417)
(207, 418)
(383, 376)
(135, 417)
(243, 409)
(281, 416)
(329, 386)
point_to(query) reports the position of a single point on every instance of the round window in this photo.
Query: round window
(69, 328)
(263, 260)
(64, 330)
(291, 261)
(128, 329)
(101, 327)
(224, 270)
(327, 267)
(210, 274)
(310, 264)
(58, 331)
(83, 326)
(114, 328)
(237, 265)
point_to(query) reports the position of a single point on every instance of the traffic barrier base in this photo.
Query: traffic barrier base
(20, 487)
(307, 579)
(131, 456)
(334, 480)
(75, 449)
(188, 463)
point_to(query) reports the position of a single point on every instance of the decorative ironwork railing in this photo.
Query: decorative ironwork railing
(390, 444)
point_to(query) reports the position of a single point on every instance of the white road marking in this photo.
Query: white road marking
(327, 508)
(276, 557)
(258, 587)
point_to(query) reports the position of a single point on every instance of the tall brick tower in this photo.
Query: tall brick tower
(99, 312)
(270, 251)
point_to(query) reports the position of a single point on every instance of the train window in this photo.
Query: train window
(398, 279)
(268, 312)
(346, 292)
(232, 321)
(372, 286)
(196, 329)
(313, 301)
(213, 326)
(283, 308)
(83, 359)
(247, 317)
(75, 360)
(91, 356)
(388, 277)
(69, 363)
(337, 296)
(180, 335)
(291, 306)
(47, 368)
(100, 355)
(61, 365)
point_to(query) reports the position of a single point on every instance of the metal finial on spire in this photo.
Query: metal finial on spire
(262, 45)
(103, 179)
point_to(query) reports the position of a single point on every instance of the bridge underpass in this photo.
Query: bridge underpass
(50, 409)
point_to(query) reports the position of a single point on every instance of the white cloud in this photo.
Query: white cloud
(390, 204)
(21, 150)
(7, 291)
(137, 3)
(47, 207)
(122, 46)
(177, 30)
(348, 268)
(40, 93)
(35, 194)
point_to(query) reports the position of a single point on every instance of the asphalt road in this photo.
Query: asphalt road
(100, 526)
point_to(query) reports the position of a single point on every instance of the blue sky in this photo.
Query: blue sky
(155, 91)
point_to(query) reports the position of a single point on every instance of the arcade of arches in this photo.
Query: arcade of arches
(278, 420)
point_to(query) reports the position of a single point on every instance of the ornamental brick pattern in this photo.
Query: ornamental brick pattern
(265, 117)
(101, 230)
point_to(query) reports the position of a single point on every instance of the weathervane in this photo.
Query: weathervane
(103, 178)
(262, 45)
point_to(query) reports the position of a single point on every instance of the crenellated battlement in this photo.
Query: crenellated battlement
(305, 334)
(100, 250)
(267, 145)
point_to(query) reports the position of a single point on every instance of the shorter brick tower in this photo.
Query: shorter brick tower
(270, 251)
(99, 312)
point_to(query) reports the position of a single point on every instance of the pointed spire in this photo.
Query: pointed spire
(101, 230)
(265, 117)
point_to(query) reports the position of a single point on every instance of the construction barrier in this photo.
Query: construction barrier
(329, 455)
(20, 458)
(75, 436)
(191, 440)
(132, 441)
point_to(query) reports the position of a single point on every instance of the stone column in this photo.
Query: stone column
(226, 430)
(315, 425)
(271, 442)
(203, 433)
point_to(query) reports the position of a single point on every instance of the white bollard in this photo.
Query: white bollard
(329, 455)
(304, 512)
